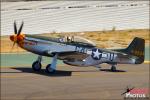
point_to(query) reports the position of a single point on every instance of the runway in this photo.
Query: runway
(69, 82)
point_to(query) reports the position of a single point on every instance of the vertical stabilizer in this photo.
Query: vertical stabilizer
(137, 48)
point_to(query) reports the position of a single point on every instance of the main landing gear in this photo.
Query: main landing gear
(50, 68)
(36, 66)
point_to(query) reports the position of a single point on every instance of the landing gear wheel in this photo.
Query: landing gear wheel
(49, 69)
(113, 68)
(36, 66)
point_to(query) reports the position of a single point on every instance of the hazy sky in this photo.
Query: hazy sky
(73, 16)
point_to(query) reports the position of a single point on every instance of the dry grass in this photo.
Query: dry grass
(103, 39)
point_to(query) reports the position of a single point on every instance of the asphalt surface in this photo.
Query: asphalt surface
(69, 82)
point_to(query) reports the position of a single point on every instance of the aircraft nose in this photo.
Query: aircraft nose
(15, 38)
(20, 37)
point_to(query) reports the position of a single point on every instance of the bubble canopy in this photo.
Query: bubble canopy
(79, 41)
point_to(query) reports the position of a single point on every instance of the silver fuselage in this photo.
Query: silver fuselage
(47, 48)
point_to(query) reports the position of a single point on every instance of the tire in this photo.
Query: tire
(36, 66)
(49, 69)
(113, 68)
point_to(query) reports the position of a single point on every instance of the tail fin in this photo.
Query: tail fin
(137, 48)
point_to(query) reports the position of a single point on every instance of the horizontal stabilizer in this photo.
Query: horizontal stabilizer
(136, 48)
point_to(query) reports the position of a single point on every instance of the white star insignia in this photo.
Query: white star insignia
(96, 54)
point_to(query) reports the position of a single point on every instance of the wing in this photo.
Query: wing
(72, 56)
(67, 55)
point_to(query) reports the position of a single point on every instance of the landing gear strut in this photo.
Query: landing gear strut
(36, 66)
(113, 68)
(51, 68)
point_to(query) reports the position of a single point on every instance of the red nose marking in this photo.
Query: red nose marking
(17, 38)
(20, 37)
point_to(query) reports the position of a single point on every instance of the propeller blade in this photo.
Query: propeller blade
(12, 47)
(20, 29)
(15, 27)
(17, 49)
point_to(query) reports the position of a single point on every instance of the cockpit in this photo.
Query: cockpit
(76, 40)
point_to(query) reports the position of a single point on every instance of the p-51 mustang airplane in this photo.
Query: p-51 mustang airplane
(76, 53)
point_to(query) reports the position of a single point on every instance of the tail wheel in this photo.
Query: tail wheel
(113, 68)
(49, 69)
(36, 66)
